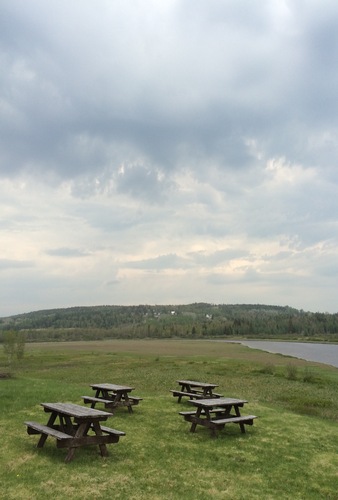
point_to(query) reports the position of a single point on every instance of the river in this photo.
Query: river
(320, 353)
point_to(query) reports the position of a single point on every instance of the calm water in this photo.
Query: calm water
(321, 353)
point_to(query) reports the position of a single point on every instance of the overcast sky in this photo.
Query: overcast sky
(168, 152)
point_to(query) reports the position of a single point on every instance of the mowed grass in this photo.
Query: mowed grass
(291, 451)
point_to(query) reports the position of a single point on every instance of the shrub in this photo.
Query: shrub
(268, 369)
(308, 375)
(291, 372)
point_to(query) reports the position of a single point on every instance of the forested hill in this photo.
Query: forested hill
(197, 320)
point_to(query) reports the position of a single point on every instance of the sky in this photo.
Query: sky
(168, 152)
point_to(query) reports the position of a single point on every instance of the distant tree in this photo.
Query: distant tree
(14, 345)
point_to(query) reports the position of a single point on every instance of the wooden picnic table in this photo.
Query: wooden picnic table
(216, 413)
(195, 390)
(112, 396)
(73, 426)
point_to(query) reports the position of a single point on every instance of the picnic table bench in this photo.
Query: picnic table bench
(74, 426)
(216, 413)
(112, 396)
(194, 390)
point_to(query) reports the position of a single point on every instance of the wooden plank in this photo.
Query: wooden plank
(214, 410)
(112, 387)
(219, 402)
(188, 394)
(247, 419)
(36, 428)
(108, 430)
(76, 411)
(194, 383)
(134, 400)
(92, 399)
(89, 440)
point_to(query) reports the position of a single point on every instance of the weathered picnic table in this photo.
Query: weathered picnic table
(73, 426)
(216, 413)
(112, 396)
(195, 390)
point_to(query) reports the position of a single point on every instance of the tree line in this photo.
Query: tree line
(199, 320)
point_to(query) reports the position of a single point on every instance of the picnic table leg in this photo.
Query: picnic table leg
(117, 399)
(130, 408)
(241, 425)
(70, 455)
(103, 448)
(66, 424)
(184, 388)
(97, 395)
(180, 395)
(126, 397)
(81, 431)
(197, 414)
(50, 423)
(42, 440)
(208, 418)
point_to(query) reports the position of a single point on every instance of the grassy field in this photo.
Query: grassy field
(291, 451)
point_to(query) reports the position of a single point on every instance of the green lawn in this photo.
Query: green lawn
(291, 451)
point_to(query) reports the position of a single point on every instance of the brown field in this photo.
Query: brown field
(170, 347)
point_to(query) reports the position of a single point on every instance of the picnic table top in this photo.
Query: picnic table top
(112, 387)
(220, 402)
(194, 383)
(73, 410)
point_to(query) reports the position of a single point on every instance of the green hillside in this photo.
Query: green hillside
(198, 320)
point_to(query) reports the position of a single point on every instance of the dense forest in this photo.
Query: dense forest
(199, 320)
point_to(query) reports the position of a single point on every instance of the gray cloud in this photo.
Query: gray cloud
(66, 252)
(7, 264)
(169, 261)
